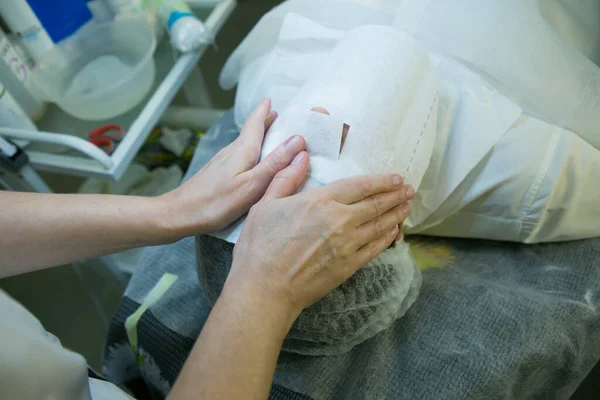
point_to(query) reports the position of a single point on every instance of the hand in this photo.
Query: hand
(232, 181)
(294, 250)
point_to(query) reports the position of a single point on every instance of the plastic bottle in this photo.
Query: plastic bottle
(21, 19)
(19, 67)
(125, 6)
(11, 114)
(101, 11)
(134, 9)
(15, 72)
(187, 32)
(61, 18)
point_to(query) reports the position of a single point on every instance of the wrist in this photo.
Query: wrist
(176, 222)
(167, 222)
(274, 311)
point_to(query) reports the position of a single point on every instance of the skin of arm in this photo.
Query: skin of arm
(236, 353)
(44, 230)
(280, 268)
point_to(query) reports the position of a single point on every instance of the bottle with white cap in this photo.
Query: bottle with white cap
(11, 114)
(187, 32)
(22, 21)
(14, 73)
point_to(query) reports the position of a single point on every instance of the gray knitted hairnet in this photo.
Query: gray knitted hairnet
(361, 307)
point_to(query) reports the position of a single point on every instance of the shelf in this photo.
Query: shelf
(69, 152)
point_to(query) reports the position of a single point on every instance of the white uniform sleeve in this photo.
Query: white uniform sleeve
(102, 390)
(34, 365)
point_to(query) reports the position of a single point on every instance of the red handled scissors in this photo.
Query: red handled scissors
(106, 137)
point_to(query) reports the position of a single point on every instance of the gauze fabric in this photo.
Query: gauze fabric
(390, 106)
(265, 34)
(486, 177)
(475, 115)
(364, 96)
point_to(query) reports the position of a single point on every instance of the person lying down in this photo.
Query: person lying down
(512, 160)
(481, 166)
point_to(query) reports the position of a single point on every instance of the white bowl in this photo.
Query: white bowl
(100, 72)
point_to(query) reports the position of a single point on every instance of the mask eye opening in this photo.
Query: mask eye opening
(345, 130)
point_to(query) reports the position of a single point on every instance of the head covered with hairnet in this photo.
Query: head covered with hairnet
(380, 96)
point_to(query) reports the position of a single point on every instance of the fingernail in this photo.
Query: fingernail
(298, 158)
(400, 234)
(294, 144)
(262, 105)
(395, 232)
(410, 192)
(270, 116)
(407, 209)
(397, 180)
(400, 238)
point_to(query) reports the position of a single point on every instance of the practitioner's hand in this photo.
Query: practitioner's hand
(233, 180)
(294, 250)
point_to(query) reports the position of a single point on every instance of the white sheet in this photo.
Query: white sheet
(513, 44)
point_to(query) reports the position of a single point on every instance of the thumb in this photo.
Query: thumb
(278, 159)
(257, 123)
(289, 179)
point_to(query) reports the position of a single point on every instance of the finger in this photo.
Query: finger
(368, 252)
(253, 131)
(277, 160)
(375, 206)
(351, 190)
(380, 226)
(270, 119)
(289, 179)
(320, 110)
(400, 235)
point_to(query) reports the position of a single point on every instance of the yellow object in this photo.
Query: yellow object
(430, 253)
(158, 291)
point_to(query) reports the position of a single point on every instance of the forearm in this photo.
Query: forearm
(43, 230)
(236, 353)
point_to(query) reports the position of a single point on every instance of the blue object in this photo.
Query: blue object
(175, 16)
(61, 18)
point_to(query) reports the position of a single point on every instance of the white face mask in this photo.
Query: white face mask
(380, 83)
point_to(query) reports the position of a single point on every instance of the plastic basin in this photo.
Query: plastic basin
(100, 72)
